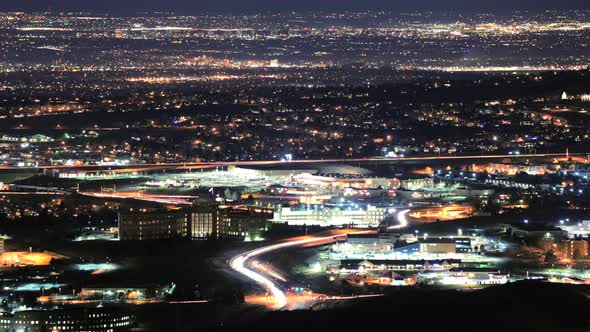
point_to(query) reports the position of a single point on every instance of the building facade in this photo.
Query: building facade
(202, 221)
(152, 225)
(447, 245)
(413, 183)
(73, 319)
(247, 224)
(575, 249)
(369, 216)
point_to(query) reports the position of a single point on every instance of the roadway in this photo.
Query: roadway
(246, 264)
(265, 278)
(402, 219)
(284, 162)
(158, 198)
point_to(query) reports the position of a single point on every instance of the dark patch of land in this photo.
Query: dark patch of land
(521, 306)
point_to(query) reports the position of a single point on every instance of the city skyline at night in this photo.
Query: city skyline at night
(267, 5)
(320, 165)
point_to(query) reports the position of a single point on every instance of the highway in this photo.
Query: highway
(266, 277)
(158, 198)
(240, 264)
(277, 162)
(401, 218)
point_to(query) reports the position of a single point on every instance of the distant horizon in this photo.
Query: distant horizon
(262, 6)
(392, 12)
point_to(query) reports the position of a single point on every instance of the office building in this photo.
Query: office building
(71, 319)
(446, 245)
(203, 220)
(242, 223)
(322, 215)
(145, 224)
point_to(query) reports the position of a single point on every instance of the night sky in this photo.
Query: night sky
(123, 6)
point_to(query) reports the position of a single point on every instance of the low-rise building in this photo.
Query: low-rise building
(322, 215)
(535, 231)
(445, 245)
(413, 183)
(72, 319)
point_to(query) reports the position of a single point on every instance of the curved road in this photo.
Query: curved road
(401, 218)
(239, 263)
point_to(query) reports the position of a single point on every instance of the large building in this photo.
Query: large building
(535, 231)
(203, 220)
(204, 217)
(73, 319)
(212, 221)
(341, 180)
(575, 249)
(241, 223)
(370, 242)
(322, 215)
(568, 248)
(152, 224)
(444, 245)
(413, 183)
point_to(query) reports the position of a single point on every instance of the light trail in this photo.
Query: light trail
(353, 297)
(276, 162)
(402, 219)
(164, 199)
(260, 267)
(31, 193)
(238, 263)
(74, 301)
(188, 302)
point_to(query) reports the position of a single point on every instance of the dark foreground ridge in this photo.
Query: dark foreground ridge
(520, 306)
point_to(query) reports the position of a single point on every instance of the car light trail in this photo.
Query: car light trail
(238, 263)
(402, 219)
(353, 297)
(268, 271)
(276, 162)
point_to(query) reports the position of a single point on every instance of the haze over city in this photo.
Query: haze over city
(189, 165)
(236, 6)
